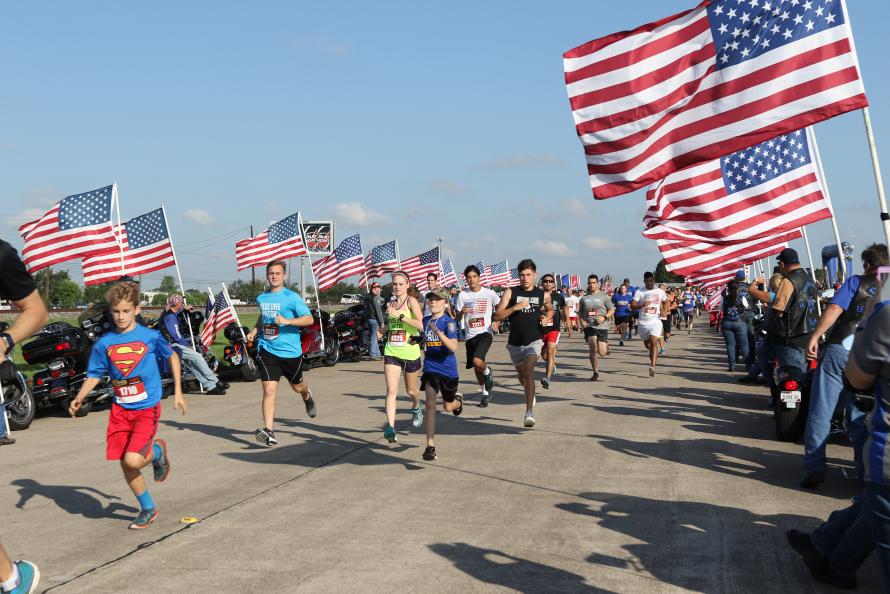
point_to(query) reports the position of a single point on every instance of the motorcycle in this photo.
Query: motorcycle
(15, 394)
(314, 351)
(238, 355)
(351, 326)
(791, 400)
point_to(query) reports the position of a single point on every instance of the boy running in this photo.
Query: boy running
(475, 306)
(439, 366)
(652, 305)
(130, 356)
(280, 352)
(550, 327)
(596, 309)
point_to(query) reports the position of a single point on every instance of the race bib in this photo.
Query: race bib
(398, 337)
(476, 322)
(591, 317)
(270, 331)
(546, 323)
(651, 310)
(128, 391)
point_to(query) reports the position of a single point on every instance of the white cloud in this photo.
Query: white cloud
(199, 217)
(575, 208)
(552, 248)
(601, 243)
(355, 214)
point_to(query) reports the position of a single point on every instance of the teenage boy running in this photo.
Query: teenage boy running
(475, 306)
(280, 353)
(439, 365)
(652, 305)
(525, 305)
(596, 311)
(130, 357)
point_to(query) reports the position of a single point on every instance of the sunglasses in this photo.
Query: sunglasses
(548, 280)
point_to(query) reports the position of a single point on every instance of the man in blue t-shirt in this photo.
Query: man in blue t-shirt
(439, 365)
(689, 308)
(182, 344)
(635, 313)
(622, 300)
(280, 353)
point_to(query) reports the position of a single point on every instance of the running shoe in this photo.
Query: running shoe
(489, 379)
(661, 351)
(161, 464)
(310, 406)
(529, 419)
(145, 517)
(484, 397)
(429, 454)
(595, 376)
(417, 415)
(456, 412)
(545, 383)
(620, 343)
(29, 577)
(265, 437)
(390, 434)
(651, 372)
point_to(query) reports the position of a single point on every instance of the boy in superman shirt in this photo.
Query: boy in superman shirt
(439, 366)
(130, 357)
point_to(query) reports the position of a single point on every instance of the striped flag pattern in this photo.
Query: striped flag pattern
(417, 267)
(77, 226)
(343, 262)
(483, 273)
(145, 245)
(221, 315)
(448, 276)
(763, 190)
(499, 274)
(283, 239)
(514, 277)
(689, 257)
(707, 82)
(380, 260)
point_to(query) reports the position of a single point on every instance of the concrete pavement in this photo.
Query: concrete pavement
(629, 484)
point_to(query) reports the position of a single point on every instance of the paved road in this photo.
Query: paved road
(630, 484)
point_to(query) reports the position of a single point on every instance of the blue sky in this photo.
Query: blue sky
(399, 120)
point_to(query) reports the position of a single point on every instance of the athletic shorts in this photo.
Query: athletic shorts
(412, 366)
(551, 337)
(622, 320)
(272, 367)
(477, 347)
(602, 335)
(518, 353)
(131, 431)
(688, 313)
(647, 329)
(446, 386)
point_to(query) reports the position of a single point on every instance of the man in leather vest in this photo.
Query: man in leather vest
(793, 316)
(841, 316)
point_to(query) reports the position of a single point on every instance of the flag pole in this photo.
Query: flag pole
(879, 182)
(234, 311)
(837, 236)
(188, 319)
(117, 207)
(314, 279)
(806, 241)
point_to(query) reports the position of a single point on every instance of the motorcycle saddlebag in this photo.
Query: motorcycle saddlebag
(67, 342)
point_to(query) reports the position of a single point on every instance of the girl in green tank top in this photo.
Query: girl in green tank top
(400, 356)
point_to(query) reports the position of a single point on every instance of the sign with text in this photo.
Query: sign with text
(319, 237)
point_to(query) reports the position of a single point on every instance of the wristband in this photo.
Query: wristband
(10, 342)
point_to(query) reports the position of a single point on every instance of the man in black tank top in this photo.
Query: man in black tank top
(524, 306)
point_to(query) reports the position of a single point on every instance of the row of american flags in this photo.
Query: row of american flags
(713, 110)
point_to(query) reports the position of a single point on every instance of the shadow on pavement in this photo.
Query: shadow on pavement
(501, 569)
(219, 431)
(77, 501)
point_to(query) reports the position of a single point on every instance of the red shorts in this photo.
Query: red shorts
(551, 337)
(131, 431)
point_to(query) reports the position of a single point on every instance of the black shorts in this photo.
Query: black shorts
(272, 367)
(621, 320)
(477, 347)
(446, 386)
(666, 325)
(688, 314)
(412, 366)
(601, 335)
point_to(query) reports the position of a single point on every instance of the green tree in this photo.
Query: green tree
(663, 275)
(159, 299)
(334, 293)
(168, 284)
(96, 293)
(245, 290)
(196, 297)
(63, 292)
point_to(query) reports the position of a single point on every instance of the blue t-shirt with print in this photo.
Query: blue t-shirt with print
(439, 358)
(844, 296)
(622, 304)
(281, 341)
(130, 359)
(688, 301)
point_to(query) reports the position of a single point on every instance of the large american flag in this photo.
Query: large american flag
(690, 257)
(417, 267)
(759, 191)
(343, 262)
(221, 315)
(77, 226)
(499, 274)
(145, 245)
(380, 260)
(707, 82)
(283, 239)
(448, 276)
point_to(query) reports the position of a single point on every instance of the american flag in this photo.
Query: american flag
(220, 316)
(707, 82)
(283, 239)
(380, 260)
(345, 261)
(514, 277)
(417, 267)
(565, 281)
(448, 276)
(499, 274)
(690, 257)
(608, 285)
(483, 273)
(77, 226)
(575, 281)
(145, 245)
(713, 279)
(759, 191)
(713, 302)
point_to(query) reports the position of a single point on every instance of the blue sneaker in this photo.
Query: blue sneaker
(29, 577)
(661, 351)
(145, 517)
(161, 464)
(417, 415)
(390, 434)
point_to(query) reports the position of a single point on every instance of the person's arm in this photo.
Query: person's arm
(88, 385)
(566, 318)
(303, 317)
(33, 316)
(547, 307)
(176, 371)
(829, 317)
(417, 321)
(636, 302)
(459, 312)
(449, 339)
(503, 312)
(783, 295)
(251, 334)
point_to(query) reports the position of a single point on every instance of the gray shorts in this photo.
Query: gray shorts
(519, 353)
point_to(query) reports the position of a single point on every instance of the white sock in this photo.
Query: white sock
(488, 371)
(10, 584)
(484, 392)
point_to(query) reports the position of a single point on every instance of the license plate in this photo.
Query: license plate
(790, 398)
(56, 365)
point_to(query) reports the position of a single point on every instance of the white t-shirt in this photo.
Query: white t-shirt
(572, 303)
(481, 304)
(651, 300)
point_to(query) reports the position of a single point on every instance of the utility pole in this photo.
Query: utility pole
(440, 240)
(46, 284)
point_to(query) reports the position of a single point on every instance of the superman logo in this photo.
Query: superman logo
(127, 356)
